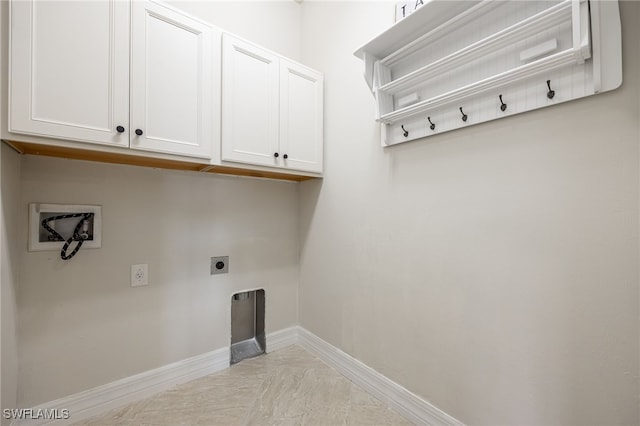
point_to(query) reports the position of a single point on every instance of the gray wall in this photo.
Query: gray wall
(82, 325)
(9, 199)
(275, 25)
(491, 270)
(9, 264)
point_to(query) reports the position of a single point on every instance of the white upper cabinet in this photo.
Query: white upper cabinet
(70, 70)
(143, 79)
(70, 74)
(171, 81)
(301, 117)
(272, 109)
(249, 103)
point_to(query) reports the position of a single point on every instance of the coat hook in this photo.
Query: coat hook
(503, 106)
(464, 116)
(550, 93)
(432, 126)
(404, 131)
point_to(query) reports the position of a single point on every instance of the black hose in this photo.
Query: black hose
(77, 236)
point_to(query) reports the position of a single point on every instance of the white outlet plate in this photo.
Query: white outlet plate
(139, 275)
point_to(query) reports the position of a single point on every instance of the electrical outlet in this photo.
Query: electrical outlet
(139, 275)
(219, 265)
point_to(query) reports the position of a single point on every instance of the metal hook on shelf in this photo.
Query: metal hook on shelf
(503, 106)
(550, 93)
(404, 131)
(432, 126)
(464, 116)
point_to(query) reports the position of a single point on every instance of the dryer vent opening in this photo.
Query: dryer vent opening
(247, 325)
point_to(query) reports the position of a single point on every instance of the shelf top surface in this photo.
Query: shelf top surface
(423, 19)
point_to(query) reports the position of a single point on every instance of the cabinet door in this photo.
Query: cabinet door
(69, 75)
(301, 117)
(249, 103)
(171, 81)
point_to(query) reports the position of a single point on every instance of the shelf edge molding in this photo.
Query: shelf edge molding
(560, 59)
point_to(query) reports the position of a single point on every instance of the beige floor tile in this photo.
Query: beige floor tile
(286, 387)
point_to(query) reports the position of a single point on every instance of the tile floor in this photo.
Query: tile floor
(286, 387)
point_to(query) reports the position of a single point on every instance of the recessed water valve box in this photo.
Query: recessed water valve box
(64, 221)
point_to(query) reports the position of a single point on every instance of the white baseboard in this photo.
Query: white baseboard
(400, 399)
(103, 398)
(282, 338)
(98, 400)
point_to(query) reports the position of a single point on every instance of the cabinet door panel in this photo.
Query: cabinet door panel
(70, 70)
(301, 117)
(171, 81)
(249, 103)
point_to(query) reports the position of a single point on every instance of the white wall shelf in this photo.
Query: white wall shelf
(452, 64)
